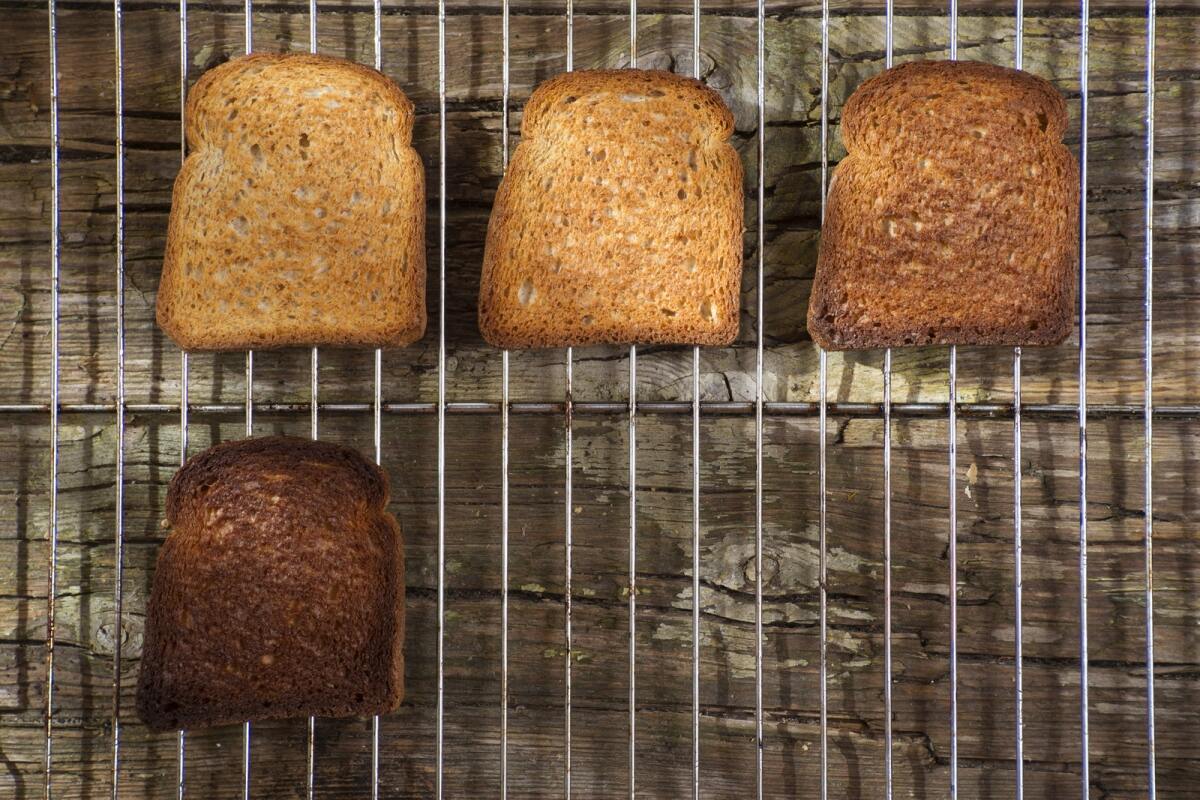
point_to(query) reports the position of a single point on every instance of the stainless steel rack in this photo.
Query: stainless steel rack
(570, 407)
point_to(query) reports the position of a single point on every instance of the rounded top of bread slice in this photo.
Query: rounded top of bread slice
(598, 100)
(224, 100)
(907, 104)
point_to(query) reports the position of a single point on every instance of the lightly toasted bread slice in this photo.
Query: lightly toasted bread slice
(619, 219)
(298, 217)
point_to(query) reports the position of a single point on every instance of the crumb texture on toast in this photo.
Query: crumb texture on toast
(298, 216)
(954, 217)
(619, 219)
(278, 592)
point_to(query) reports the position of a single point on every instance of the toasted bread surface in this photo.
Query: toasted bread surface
(619, 219)
(298, 216)
(954, 217)
(279, 591)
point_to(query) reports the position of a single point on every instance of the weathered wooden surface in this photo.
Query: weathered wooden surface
(87, 626)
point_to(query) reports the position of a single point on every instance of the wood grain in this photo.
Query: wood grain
(88, 630)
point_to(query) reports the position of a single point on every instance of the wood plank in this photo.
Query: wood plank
(88, 631)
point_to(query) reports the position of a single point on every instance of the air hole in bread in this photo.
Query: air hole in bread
(1043, 121)
(708, 311)
(587, 319)
(656, 93)
(599, 155)
(681, 194)
(692, 162)
(257, 154)
(319, 212)
(633, 98)
(933, 96)
(923, 163)
(1033, 170)
(569, 99)
(978, 133)
(668, 312)
(526, 293)
(890, 226)
(240, 225)
(546, 184)
(387, 208)
(691, 266)
(233, 115)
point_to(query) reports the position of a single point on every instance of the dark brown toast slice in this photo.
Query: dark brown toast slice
(954, 217)
(279, 591)
(619, 219)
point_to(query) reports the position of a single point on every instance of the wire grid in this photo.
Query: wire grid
(569, 407)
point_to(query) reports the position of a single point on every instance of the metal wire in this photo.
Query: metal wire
(504, 397)
(568, 496)
(887, 505)
(441, 402)
(377, 40)
(758, 403)
(772, 409)
(249, 44)
(441, 417)
(119, 541)
(1018, 633)
(1148, 397)
(822, 563)
(181, 737)
(1085, 773)
(633, 14)
(696, 494)
(52, 534)
(952, 552)
(314, 391)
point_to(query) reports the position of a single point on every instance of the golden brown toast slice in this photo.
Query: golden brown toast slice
(954, 217)
(279, 591)
(299, 215)
(620, 217)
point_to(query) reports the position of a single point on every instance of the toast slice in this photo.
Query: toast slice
(619, 219)
(954, 217)
(298, 217)
(279, 591)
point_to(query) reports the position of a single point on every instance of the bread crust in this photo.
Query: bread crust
(619, 219)
(298, 216)
(279, 591)
(954, 217)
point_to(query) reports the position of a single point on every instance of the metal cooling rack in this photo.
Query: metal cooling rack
(569, 407)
